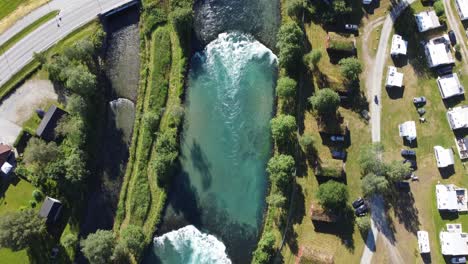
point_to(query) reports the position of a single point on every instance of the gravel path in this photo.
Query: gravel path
(380, 227)
(454, 25)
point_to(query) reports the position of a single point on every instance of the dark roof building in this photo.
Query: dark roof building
(5, 152)
(50, 209)
(46, 129)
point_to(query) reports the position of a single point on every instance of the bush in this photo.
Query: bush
(99, 247)
(333, 195)
(281, 168)
(364, 225)
(439, 8)
(312, 58)
(70, 241)
(265, 249)
(32, 203)
(37, 195)
(286, 88)
(295, 8)
(133, 239)
(307, 143)
(181, 19)
(325, 101)
(341, 45)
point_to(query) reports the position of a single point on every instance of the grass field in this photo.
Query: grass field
(20, 35)
(418, 211)
(13, 10)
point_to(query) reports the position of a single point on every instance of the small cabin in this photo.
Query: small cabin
(318, 214)
(50, 210)
(46, 129)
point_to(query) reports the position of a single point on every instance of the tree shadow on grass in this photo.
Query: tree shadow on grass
(297, 214)
(343, 229)
(406, 213)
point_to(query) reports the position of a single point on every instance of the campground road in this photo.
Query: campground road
(453, 21)
(379, 223)
(73, 14)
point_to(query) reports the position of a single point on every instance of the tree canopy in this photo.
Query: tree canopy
(333, 195)
(372, 184)
(369, 159)
(264, 251)
(283, 127)
(133, 239)
(397, 171)
(39, 152)
(350, 68)
(290, 37)
(325, 101)
(19, 229)
(281, 168)
(99, 247)
(286, 88)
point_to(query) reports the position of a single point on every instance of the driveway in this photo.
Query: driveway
(73, 14)
(20, 105)
(453, 21)
(379, 221)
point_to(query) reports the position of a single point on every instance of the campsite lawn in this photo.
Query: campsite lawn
(417, 210)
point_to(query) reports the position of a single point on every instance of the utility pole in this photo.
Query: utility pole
(50, 10)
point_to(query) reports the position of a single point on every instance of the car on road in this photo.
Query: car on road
(337, 138)
(361, 210)
(358, 202)
(408, 153)
(402, 185)
(419, 100)
(351, 27)
(452, 37)
(337, 154)
(457, 260)
(412, 162)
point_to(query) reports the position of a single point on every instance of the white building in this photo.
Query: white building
(394, 78)
(458, 117)
(462, 8)
(438, 53)
(423, 242)
(454, 242)
(399, 46)
(444, 157)
(449, 86)
(427, 20)
(451, 198)
(408, 130)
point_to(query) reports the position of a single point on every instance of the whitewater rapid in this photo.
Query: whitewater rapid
(190, 246)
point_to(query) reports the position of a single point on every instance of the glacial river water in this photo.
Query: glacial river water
(217, 200)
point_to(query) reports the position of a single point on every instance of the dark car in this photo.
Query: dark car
(337, 138)
(358, 202)
(408, 153)
(419, 100)
(412, 163)
(402, 185)
(452, 37)
(351, 27)
(341, 155)
(361, 210)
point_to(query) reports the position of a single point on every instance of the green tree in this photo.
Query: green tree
(265, 249)
(151, 121)
(281, 169)
(75, 166)
(41, 57)
(82, 50)
(98, 38)
(325, 101)
(364, 225)
(372, 184)
(333, 195)
(39, 152)
(439, 8)
(133, 239)
(289, 43)
(166, 147)
(397, 171)
(312, 58)
(340, 8)
(121, 255)
(276, 200)
(70, 241)
(98, 247)
(181, 19)
(19, 230)
(350, 68)
(80, 80)
(286, 88)
(295, 8)
(369, 159)
(76, 105)
(283, 127)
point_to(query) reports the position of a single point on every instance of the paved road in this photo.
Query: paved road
(453, 20)
(374, 87)
(74, 13)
